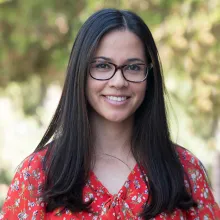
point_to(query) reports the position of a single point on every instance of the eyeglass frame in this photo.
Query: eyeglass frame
(121, 67)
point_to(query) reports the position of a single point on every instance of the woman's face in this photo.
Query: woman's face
(117, 99)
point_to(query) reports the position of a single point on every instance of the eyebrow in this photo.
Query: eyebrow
(128, 60)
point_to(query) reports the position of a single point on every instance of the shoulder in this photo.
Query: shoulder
(31, 169)
(33, 161)
(24, 194)
(194, 170)
(196, 178)
(187, 159)
(197, 184)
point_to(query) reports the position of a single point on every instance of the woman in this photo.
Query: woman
(111, 156)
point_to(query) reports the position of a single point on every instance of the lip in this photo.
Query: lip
(118, 95)
(116, 103)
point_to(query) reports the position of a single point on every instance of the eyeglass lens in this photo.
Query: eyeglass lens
(132, 72)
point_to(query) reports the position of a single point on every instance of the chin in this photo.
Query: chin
(117, 118)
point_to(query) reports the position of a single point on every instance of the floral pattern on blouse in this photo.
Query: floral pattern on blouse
(24, 202)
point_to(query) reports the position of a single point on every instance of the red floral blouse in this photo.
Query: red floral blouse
(24, 202)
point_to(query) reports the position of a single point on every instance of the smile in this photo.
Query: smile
(116, 98)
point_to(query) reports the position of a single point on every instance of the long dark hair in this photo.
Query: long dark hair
(69, 155)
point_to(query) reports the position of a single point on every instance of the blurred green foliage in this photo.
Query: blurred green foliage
(36, 38)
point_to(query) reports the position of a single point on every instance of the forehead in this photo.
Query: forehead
(120, 45)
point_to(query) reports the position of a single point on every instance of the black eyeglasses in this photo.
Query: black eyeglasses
(135, 72)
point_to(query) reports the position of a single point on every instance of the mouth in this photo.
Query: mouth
(116, 98)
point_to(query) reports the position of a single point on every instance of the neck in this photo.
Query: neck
(113, 138)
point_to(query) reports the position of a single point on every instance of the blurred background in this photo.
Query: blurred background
(35, 42)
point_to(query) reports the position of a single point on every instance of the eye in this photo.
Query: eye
(102, 66)
(133, 67)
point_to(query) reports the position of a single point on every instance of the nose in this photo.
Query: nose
(118, 81)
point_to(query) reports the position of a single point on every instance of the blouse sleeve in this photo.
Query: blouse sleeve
(197, 183)
(23, 199)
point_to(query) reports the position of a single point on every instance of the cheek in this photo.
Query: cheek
(93, 89)
(141, 91)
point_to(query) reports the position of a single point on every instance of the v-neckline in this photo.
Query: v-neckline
(121, 190)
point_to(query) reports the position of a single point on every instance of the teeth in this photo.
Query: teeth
(118, 99)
